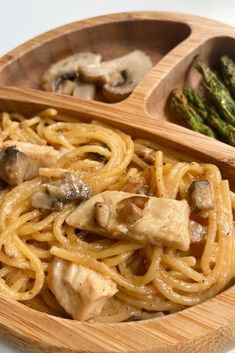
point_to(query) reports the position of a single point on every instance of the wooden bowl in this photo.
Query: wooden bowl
(172, 40)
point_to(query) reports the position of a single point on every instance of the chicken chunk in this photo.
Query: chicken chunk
(149, 220)
(81, 291)
(20, 161)
(46, 156)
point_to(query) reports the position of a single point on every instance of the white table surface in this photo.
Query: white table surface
(21, 20)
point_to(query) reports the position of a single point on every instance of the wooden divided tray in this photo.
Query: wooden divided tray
(172, 41)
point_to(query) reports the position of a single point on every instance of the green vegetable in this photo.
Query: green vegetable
(228, 71)
(211, 117)
(217, 91)
(188, 114)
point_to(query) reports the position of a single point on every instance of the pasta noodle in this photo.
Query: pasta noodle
(152, 280)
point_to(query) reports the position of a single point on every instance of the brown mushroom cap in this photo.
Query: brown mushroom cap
(67, 70)
(130, 210)
(13, 166)
(119, 76)
(200, 196)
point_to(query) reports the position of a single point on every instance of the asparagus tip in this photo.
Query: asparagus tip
(198, 63)
(178, 95)
(225, 59)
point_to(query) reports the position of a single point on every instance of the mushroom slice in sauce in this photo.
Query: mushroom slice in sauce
(146, 153)
(67, 70)
(201, 196)
(46, 156)
(41, 199)
(155, 220)
(197, 231)
(130, 210)
(81, 291)
(119, 76)
(69, 188)
(102, 214)
(136, 185)
(13, 166)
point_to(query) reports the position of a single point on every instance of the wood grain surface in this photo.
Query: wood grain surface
(172, 41)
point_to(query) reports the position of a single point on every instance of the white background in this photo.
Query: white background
(21, 20)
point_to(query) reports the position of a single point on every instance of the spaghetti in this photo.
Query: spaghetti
(151, 280)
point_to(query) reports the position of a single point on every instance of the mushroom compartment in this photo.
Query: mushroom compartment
(87, 76)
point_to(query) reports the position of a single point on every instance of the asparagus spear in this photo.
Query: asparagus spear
(228, 71)
(210, 116)
(188, 114)
(217, 91)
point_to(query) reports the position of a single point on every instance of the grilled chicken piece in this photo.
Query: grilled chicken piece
(69, 188)
(45, 156)
(82, 292)
(149, 220)
(20, 161)
(200, 196)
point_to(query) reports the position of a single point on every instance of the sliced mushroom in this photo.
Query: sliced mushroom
(198, 234)
(146, 153)
(66, 87)
(84, 89)
(63, 80)
(197, 231)
(148, 220)
(81, 291)
(102, 214)
(200, 196)
(136, 185)
(130, 210)
(119, 76)
(41, 199)
(67, 70)
(13, 166)
(69, 188)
